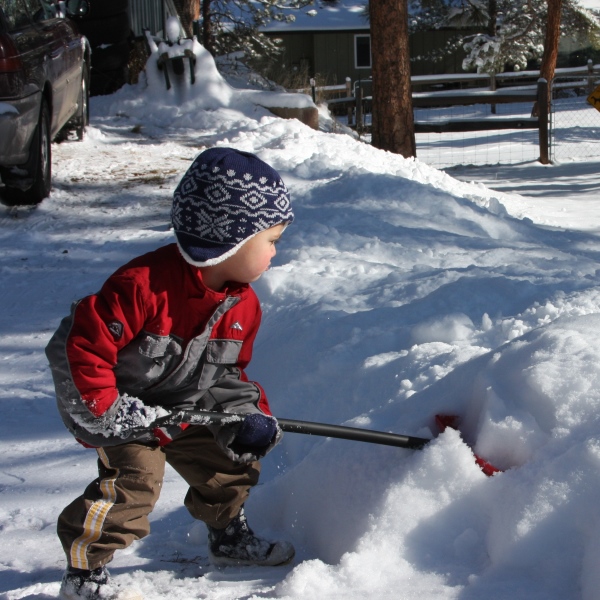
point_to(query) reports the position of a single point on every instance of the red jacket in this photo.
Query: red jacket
(154, 332)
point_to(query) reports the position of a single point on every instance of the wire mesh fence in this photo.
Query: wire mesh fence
(493, 146)
(575, 123)
(574, 129)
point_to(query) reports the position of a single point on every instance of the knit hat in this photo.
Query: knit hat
(225, 198)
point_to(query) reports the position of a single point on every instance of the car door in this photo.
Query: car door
(54, 63)
(52, 19)
(75, 51)
(22, 87)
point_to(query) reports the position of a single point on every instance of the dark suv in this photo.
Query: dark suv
(44, 83)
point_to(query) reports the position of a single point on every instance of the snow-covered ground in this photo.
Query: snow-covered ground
(399, 292)
(592, 4)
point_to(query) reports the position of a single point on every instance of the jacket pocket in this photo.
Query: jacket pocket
(223, 352)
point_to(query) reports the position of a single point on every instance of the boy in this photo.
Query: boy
(173, 330)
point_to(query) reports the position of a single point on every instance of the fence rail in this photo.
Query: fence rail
(502, 89)
(536, 95)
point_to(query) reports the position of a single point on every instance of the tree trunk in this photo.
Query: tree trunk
(189, 11)
(493, 12)
(393, 119)
(551, 41)
(207, 30)
(549, 61)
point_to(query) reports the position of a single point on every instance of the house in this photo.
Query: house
(333, 41)
(151, 14)
(327, 40)
(111, 27)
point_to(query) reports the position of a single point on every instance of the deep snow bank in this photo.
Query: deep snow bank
(398, 293)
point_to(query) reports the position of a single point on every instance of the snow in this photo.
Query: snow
(399, 292)
(591, 4)
(344, 15)
(7, 108)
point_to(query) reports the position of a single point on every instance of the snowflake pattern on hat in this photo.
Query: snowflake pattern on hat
(225, 198)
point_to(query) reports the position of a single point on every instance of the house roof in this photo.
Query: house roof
(345, 15)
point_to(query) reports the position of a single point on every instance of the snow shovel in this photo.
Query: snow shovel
(443, 421)
(200, 417)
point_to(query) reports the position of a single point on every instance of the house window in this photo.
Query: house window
(362, 51)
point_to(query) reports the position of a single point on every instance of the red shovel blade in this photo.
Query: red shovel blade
(443, 421)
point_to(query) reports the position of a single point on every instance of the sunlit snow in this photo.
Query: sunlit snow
(399, 292)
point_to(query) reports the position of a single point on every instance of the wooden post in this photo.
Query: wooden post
(590, 79)
(163, 64)
(349, 95)
(543, 114)
(493, 87)
(359, 108)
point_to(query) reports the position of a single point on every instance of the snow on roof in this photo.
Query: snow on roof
(345, 15)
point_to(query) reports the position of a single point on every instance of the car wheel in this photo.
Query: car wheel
(82, 119)
(34, 185)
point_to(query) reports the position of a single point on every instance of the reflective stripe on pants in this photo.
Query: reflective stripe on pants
(113, 510)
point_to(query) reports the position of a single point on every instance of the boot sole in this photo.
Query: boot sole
(226, 561)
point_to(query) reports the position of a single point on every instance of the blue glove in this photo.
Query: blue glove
(257, 430)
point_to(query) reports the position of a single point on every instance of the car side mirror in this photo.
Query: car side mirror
(78, 8)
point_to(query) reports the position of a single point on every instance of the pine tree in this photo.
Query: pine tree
(393, 121)
(511, 32)
(233, 25)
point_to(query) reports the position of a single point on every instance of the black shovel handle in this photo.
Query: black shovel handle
(311, 428)
(352, 433)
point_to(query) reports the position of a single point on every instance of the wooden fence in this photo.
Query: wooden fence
(504, 88)
(537, 96)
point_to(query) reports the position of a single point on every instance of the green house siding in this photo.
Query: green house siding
(331, 54)
(334, 57)
(298, 53)
(424, 44)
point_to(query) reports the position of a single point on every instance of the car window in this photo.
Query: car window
(16, 14)
(42, 9)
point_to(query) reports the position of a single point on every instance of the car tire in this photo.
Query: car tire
(82, 117)
(38, 168)
(80, 120)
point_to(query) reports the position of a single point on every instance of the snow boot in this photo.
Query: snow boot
(79, 584)
(236, 545)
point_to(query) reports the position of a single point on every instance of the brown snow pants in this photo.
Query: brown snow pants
(113, 510)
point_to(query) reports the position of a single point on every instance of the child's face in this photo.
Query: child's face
(254, 257)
